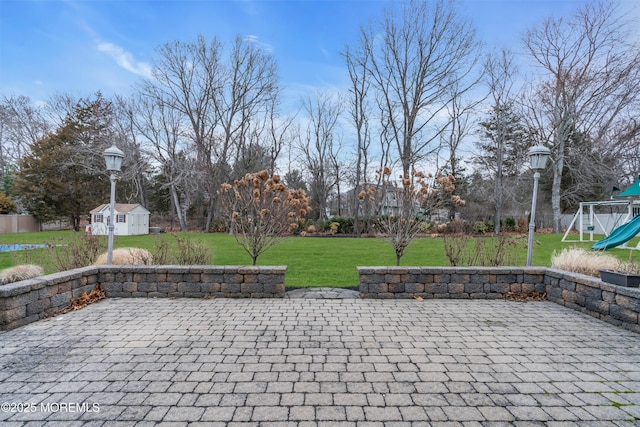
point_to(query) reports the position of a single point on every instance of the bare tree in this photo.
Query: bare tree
(60, 106)
(260, 144)
(161, 126)
(318, 147)
(21, 124)
(218, 98)
(360, 111)
(246, 102)
(459, 112)
(187, 78)
(136, 163)
(417, 53)
(591, 78)
(627, 149)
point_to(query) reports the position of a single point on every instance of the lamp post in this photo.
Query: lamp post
(113, 159)
(538, 157)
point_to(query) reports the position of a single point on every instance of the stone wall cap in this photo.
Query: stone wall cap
(119, 268)
(61, 276)
(451, 270)
(583, 279)
(628, 292)
(21, 287)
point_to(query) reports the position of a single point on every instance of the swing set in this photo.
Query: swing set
(603, 217)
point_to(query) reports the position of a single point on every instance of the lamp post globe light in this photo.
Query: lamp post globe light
(538, 157)
(113, 159)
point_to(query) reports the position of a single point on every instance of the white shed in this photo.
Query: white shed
(130, 220)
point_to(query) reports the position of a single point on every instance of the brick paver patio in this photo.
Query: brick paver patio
(320, 362)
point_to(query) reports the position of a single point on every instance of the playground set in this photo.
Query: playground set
(618, 219)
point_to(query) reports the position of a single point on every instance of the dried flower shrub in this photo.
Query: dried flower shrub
(262, 211)
(415, 197)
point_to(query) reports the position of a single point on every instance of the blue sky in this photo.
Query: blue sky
(82, 46)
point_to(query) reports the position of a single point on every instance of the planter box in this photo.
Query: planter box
(629, 280)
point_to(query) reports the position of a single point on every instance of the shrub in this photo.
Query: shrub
(456, 226)
(127, 256)
(333, 227)
(581, 261)
(7, 206)
(262, 212)
(464, 250)
(424, 226)
(161, 252)
(480, 227)
(183, 252)
(523, 225)
(345, 225)
(80, 251)
(510, 224)
(319, 224)
(191, 252)
(218, 225)
(412, 197)
(20, 272)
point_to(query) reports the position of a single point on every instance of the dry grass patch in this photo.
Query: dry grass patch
(579, 260)
(127, 256)
(20, 272)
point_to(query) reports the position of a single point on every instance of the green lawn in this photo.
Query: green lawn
(311, 261)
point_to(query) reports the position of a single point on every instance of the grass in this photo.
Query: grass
(311, 261)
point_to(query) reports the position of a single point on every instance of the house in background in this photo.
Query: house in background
(130, 220)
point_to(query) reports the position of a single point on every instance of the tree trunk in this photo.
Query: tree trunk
(555, 195)
(179, 213)
(210, 210)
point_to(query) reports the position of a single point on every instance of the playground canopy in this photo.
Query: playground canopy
(633, 191)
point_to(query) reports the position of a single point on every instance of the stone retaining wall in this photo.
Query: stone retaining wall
(449, 282)
(193, 281)
(31, 300)
(611, 303)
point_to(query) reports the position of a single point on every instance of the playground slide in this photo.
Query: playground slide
(620, 235)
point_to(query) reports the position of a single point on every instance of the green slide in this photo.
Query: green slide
(620, 235)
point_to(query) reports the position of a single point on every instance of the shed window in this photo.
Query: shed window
(98, 218)
(121, 218)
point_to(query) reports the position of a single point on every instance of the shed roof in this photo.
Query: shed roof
(120, 207)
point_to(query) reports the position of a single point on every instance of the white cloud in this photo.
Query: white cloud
(256, 40)
(125, 59)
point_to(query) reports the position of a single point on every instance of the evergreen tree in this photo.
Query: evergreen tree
(503, 153)
(64, 175)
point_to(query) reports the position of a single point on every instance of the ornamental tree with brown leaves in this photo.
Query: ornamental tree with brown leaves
(406, 201)
(262, 211)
